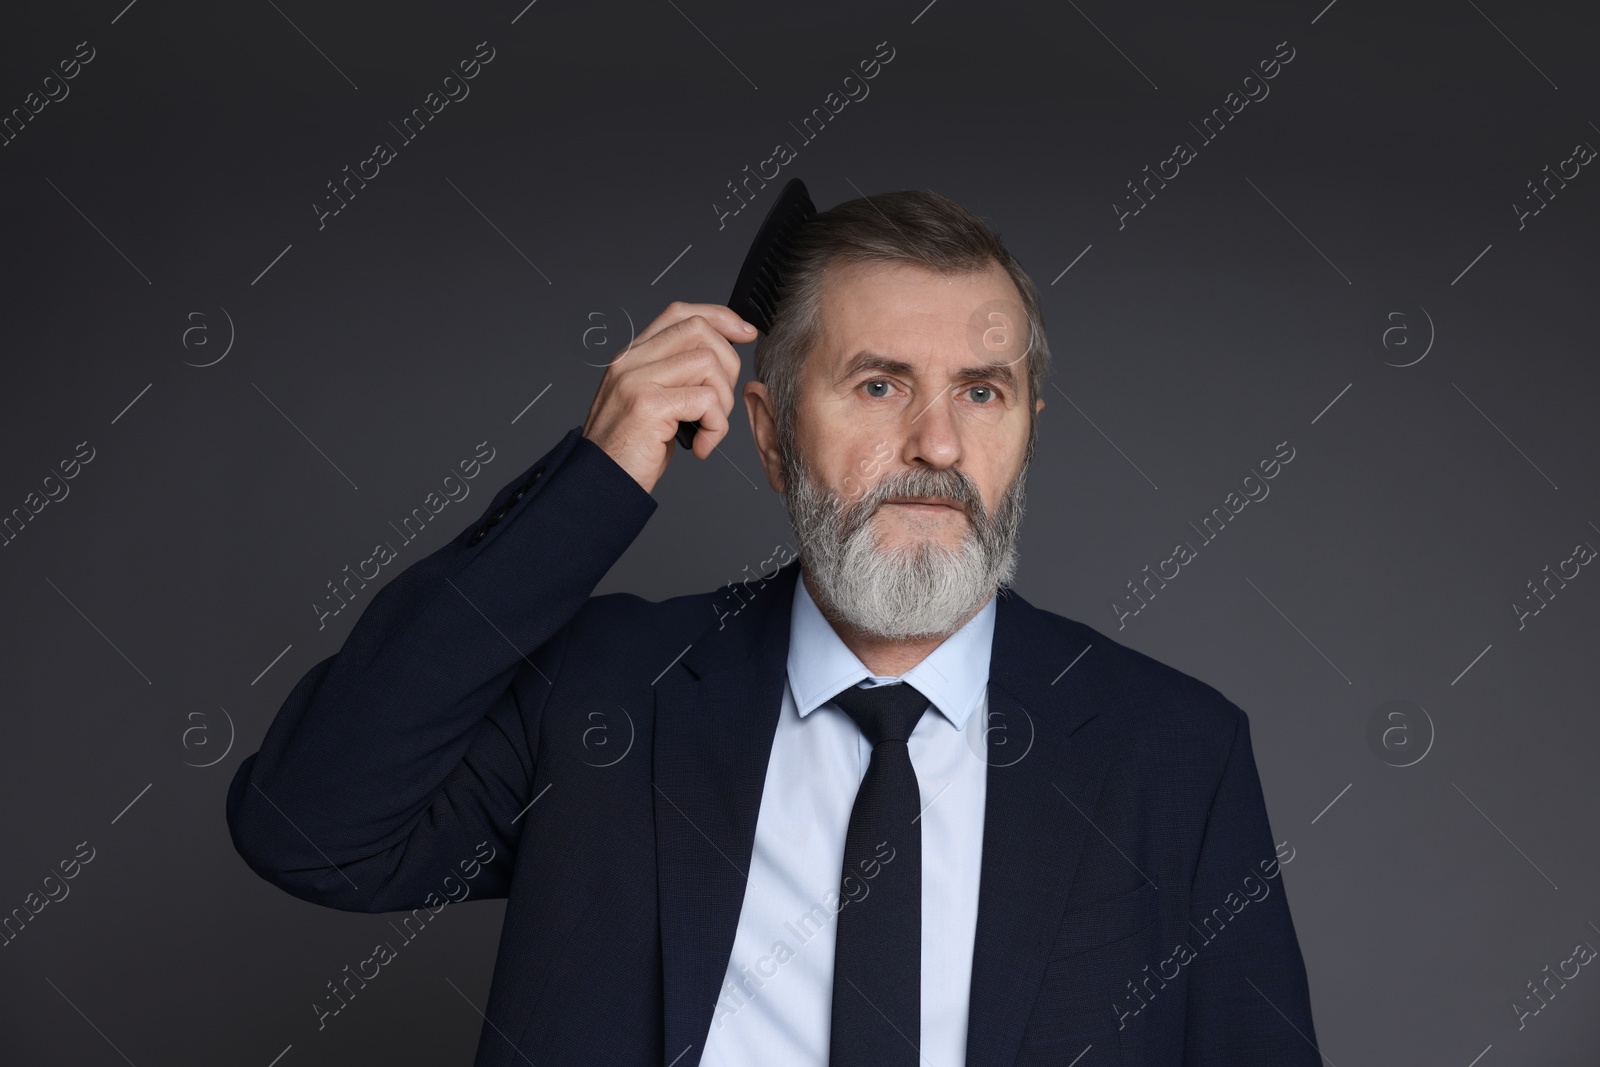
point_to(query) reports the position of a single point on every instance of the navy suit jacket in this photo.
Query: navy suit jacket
(1130, 901)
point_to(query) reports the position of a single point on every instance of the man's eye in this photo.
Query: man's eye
(980, 389)
(874, 382)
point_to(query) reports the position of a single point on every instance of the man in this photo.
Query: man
(872, 808)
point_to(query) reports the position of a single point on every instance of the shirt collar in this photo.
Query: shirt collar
(953, 676)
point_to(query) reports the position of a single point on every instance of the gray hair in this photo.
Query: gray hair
(910, 226)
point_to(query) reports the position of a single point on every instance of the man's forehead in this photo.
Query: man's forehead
(897, 318)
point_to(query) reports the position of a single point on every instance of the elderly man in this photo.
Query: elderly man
(857, 813)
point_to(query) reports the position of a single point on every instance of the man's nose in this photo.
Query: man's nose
(933, 434)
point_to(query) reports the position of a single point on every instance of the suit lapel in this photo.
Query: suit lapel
(715, 720)
(1032, 836)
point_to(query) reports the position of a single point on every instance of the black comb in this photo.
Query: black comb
(760, 282)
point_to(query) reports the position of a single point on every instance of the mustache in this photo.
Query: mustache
(948, 484)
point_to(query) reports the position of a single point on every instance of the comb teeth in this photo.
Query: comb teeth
(761, 278)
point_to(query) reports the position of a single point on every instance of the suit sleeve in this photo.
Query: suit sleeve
(1249, 1004)
(408, 756)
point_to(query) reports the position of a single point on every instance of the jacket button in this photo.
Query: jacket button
(538, 472)
(477, 535)
(522, 491)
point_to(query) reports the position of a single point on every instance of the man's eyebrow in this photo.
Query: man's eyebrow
(865, 360)
(999, 370)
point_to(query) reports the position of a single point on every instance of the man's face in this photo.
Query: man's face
(912, 420)
(898, 381)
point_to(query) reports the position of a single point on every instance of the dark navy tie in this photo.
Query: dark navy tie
(877, 967)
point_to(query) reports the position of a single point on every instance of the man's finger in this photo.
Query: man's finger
(720, 316)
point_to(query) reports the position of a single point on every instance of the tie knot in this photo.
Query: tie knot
(884, 712)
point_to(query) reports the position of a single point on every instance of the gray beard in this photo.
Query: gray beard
(922, 590)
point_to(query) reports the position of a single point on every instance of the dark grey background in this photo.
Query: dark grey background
(1249, 296)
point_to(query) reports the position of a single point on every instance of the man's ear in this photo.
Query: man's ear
(1038, 405)
(764, 430)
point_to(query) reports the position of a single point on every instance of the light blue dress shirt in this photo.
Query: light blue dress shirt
(776, 1002)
